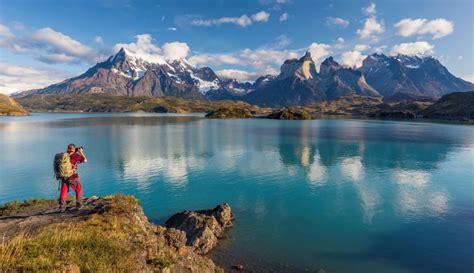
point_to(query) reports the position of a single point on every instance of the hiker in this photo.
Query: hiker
(70, 177)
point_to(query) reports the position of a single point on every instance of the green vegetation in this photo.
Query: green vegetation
(110, 103)
(230, 113)
(17, 206)
(290, 114)
(9, 107)
(104, 242)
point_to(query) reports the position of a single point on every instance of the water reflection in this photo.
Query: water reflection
(314, 180)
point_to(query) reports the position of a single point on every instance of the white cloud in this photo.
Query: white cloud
(19, 78)
(371, 28)
(62, 42)
(171, 29)
(242, 21)
(352, 59)
(98, 40)
(284, 17)
(48, 45)
(144, 48)
(175, 50)
(361, 47)
(336, 21)
(261, 16)
(319, 52)
(239, 75)
(438, 27)
(370, 9)
(460, 58)
(420, 48)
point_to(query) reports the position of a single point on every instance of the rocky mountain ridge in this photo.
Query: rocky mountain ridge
(298, 83)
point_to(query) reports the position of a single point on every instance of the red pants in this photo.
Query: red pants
(76, 186)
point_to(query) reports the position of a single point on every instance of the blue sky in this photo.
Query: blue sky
(43, 42)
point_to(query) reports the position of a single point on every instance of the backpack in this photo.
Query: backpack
(62, 166)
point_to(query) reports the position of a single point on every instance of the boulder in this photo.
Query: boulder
(203, 228)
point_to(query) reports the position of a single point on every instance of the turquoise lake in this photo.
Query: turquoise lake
(345, 195)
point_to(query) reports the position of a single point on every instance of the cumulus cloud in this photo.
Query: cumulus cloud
(438, 27)
(352, 58)
(242, 21)
(371, 9)
(336, 21)
(419, 48)
(371, 28)
(61, 42)
(262, 61)
(144, 48)
(19, 78)
(284, 17)
(48, 45)
(175, 50)
(319, 52)
(261, 16)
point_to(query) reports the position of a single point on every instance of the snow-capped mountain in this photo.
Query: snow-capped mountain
(126, 73)
(298, 83)
(411, 74)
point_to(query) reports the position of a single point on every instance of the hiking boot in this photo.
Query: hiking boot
(62, 209)
(79, 204)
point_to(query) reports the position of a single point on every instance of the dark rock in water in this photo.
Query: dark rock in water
(230, 113)
(203, 228)
(290, 114)
(239, 267)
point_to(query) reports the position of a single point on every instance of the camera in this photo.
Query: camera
(78, 148)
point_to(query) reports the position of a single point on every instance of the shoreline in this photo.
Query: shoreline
(452, 121)
(114, 231)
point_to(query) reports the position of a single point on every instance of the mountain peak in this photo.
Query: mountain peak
(328, 65)
(306, 57)
(302, 68)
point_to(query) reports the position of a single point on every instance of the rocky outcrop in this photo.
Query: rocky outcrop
(223, 113)
(108, 234)
(9, 107)
(290, 114)
(202, 228)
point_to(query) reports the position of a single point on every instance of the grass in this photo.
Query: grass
(105, 242)
(17, 206)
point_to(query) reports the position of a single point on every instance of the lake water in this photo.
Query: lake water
(343, 195)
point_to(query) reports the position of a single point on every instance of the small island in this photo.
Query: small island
(109, 233)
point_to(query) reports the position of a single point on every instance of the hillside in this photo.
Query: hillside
(9, 107)
(454, 106)
(110, 103)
